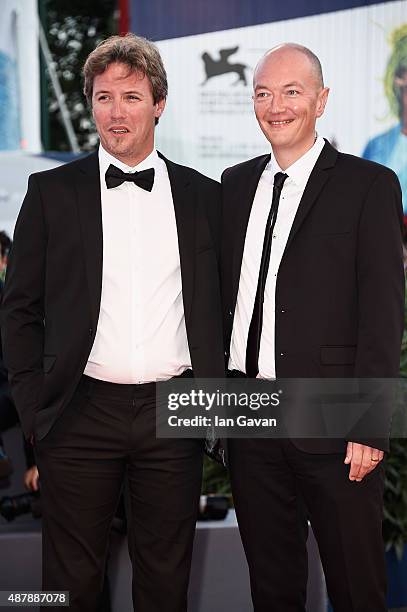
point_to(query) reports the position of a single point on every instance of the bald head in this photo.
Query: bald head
(289, 97)
(295, 51)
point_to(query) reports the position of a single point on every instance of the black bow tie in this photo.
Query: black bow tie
(115, 177)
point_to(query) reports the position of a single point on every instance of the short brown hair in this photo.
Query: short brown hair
(138, 53)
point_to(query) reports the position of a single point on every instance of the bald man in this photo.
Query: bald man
(313, 287)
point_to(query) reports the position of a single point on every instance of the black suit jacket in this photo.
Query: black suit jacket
(54, 278)
(340, 285)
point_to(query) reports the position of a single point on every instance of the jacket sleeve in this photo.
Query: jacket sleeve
(23, 307)
(380, 278)
(380, 290)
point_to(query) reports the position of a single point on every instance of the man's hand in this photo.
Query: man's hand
(31, 479)
(363, 459)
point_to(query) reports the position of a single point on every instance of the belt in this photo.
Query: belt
(94, 386)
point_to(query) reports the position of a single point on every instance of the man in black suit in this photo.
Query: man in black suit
(313, 288)
(112, 285)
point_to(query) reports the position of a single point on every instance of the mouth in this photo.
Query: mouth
(119, 131)
(281, 123)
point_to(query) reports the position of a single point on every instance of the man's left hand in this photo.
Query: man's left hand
(363, 459)
(31, 479)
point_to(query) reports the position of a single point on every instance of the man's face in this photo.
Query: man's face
(288, 100)
(125, 113)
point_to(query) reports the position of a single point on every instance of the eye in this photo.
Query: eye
(133, 97)
(262, 95)
(102, 97)
(292, 92)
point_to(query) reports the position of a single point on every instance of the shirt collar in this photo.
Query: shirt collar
(105, 159)
(301, 169)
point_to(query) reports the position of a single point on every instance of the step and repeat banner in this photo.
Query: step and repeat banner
(211, 48)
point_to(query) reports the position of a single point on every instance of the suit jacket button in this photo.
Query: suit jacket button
(230, 313)
(281, 354)
(90, 331)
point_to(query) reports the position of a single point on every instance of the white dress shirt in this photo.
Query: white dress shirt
(141, 335)
(291, 194)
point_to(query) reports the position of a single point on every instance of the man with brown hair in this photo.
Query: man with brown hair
(112, 285)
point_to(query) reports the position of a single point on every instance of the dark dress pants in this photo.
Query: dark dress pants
(271, 479)
(106, 436)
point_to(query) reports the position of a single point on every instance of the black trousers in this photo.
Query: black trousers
(104, 437)
(271, 480)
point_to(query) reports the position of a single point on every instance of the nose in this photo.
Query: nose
(277, 104)
(117, 109)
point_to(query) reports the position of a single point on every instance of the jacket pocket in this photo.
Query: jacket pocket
(338, 355)
(332, 233)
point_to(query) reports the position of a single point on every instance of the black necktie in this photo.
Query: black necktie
(256, 324)
(115, 177)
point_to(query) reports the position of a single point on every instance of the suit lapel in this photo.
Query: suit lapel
(246, 191)
(90, 216)
(184, 205)
(315, 184)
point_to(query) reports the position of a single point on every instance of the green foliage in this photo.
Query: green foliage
(395, 497)
(215, 478)
(73, 29)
